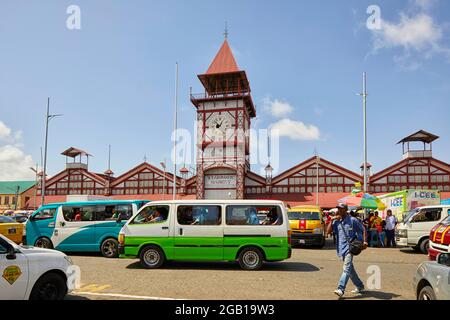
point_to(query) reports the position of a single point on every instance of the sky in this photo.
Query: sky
(110, 70)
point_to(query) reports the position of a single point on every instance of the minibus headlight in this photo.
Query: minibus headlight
(402, 233)
(121, 239)
(318, 231)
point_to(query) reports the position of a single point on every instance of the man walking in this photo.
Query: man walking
(347, 228)
(391, 223)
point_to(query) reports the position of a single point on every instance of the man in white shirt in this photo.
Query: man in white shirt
(391, 222)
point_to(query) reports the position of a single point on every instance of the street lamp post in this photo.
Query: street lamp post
(35, 170)
(163, 165)
(364, 96)
(48, 117)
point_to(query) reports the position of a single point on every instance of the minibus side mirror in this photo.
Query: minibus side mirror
(121, 217)
(444, 259)
(10, 253)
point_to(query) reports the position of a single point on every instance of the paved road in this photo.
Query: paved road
(309, 274)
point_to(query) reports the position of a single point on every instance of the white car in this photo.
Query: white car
(432, 279)
(33, 273)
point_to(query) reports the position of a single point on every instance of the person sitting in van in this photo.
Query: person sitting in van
(199, 216)
(78, 215)
(252, 217)
(156, 217)
(271, 219)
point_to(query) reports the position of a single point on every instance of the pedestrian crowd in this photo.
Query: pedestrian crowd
(379, 232)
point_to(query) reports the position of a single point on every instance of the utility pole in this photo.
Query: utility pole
(364, 96)
(35, 170)
(175, 120)
(163, 165)
(48, 117)
(16, 197)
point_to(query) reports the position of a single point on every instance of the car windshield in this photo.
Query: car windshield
(409, 215)
(446, 221)
(303, 215)
(4, 219)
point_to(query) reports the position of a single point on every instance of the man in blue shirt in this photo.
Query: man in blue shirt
(346, 228)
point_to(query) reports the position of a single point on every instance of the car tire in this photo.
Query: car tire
(43, 242)
(152, 257)
(110, 248)
(250, 258)
(427, 293)
(424, 245)
(51, 286)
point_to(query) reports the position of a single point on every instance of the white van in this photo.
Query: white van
(247, 231)
(32, 273)
(415, 229)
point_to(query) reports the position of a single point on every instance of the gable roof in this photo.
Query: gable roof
(10, 187)
(224, 61)
(139, 168)
(421, 136)
(322, 162)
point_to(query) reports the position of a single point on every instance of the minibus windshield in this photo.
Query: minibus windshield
(409, 215)
(303, 215)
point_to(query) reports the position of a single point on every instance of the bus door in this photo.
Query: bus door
(198, 232)
(74, 228)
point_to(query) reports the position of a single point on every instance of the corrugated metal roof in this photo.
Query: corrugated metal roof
(10, 187)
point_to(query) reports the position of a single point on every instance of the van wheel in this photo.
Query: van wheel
(44, 243)
(50, 286)
(152, 257)
(251, 258)
(110, 248)
(427, 293)
(424, 245)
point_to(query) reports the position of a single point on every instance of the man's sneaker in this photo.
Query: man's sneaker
(339, 293)
(358, 291)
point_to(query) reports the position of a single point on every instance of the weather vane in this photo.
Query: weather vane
(226, 30)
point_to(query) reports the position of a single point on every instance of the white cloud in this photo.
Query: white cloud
(295, 130)
(277, 108)
(416, 33)
(5, 132)
(14, 163)
(419, 33)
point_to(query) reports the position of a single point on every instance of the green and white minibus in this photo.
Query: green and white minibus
(247, 231)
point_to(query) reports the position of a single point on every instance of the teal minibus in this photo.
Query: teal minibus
(91, 226)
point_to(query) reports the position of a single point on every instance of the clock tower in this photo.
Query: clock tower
(224, 113)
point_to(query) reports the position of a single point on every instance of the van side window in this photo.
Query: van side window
(113, 212)
(427, 215)
(78, 214)
(199, 215)
(2, 249)
(152, 214)
(45, 214)
(254, 215)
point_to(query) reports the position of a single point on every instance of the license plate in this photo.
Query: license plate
(12, 231)
(301, 241)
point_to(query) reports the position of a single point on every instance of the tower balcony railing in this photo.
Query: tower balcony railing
(206, 96)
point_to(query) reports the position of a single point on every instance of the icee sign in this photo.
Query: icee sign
(421, 198)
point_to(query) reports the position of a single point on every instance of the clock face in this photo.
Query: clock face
(218, 126)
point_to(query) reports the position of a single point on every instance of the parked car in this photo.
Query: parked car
(432, 279)
(440, 239)
(86, 226)
(208, 230)
(32, 273)
(11, 229)
(415, 229)
(307, 225)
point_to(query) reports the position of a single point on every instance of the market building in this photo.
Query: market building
(14, 195)
(224, 112)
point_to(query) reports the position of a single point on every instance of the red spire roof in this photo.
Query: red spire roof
(224, 61)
